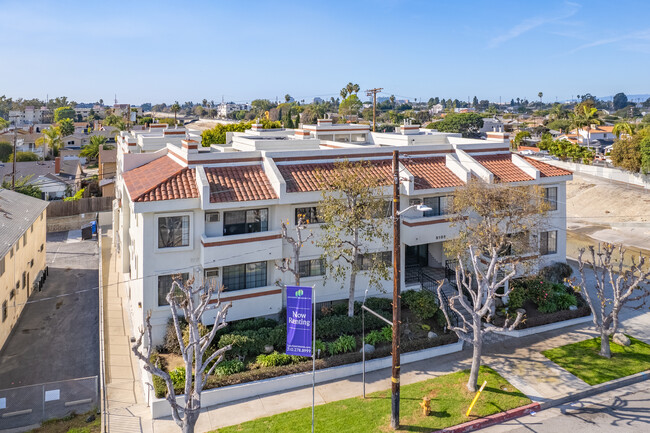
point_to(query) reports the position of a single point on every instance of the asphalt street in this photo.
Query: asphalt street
(625, 410)
(57, 337)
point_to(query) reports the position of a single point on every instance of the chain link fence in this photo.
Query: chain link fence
(33, 404)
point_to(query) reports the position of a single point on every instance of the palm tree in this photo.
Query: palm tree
(558, 112)
(392, 100)
(622, 128)
(176, 107)
(52, 138)
(344, 93)
(205, 102)
(585, 118)
(91, 150)
(539, 95)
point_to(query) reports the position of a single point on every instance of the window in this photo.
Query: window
(41, 249)
(173, 231)
(31, 229)
(439, 205)
(4, 311)
(247, 276)
(309, 213)
(548, 243)
(2, 266)
(25, 239)
(12, 294)
(311, 268)
(24, 279)
(245, 221)
(366, 260)
(165, 284)
(386, 210)
(11, 252)
(211, 276)
(550, 195)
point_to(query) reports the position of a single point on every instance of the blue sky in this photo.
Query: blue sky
(190, 50)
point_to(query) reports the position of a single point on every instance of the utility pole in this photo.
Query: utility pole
(13, 166)
(374, 92)
(394, 414)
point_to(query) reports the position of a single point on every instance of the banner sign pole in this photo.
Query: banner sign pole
(301, 330)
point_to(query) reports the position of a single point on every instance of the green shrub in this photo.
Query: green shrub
(518, 295)
(274, 359)
(383, 335)
(170, 343)
(178, 377)
(380, 304)
(242, 345)
(345, 343)
(422, 303)
(547, 307)
(319, 345)
(278, 337)
(229, 367)
(340, 309)
(564, 300)
(252, 324)
(556, 273)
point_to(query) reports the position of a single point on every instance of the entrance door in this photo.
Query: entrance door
(417, 255)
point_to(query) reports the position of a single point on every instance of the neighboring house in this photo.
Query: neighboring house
(22, 254)
(42, 174)
(597, 136)
(216, 212)
(226, 108)
(438, 108)
(107, 169)
(70, 170)
(491, 124)
(25, 140)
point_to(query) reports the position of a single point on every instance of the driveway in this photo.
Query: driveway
(57, 337)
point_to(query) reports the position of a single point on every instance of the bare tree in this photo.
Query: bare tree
(193, 302)
(292, 264)
(624, 284)
(480, 283)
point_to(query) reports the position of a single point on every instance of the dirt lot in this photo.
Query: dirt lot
(608, 211)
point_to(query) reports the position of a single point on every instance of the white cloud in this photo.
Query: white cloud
(532, 23)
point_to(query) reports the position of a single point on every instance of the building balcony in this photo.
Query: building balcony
(217, 251)
(426, 230)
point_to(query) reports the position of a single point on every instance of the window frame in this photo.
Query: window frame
(544, 239)
(312, 217)
(552, 203)
(309, 264)
(244, 276)
(363, 266)
(190, 220)
(184, 276)
(264, 224)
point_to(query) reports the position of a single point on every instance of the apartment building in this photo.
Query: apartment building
(215, 212)
(22, 254)
(226, 108)
(30, 115)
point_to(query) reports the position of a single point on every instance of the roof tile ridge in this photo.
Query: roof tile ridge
(160, 183)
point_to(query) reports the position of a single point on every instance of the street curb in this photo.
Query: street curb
(597, 389)
(539, 406)
(493, 419)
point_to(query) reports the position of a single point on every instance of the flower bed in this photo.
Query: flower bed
(258, 344)
(545, 302)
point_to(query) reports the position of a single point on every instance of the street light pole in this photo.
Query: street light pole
(394, 416)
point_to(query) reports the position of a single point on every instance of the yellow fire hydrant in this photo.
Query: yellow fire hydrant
(426, 406)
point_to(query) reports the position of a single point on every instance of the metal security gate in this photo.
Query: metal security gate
(33, 404)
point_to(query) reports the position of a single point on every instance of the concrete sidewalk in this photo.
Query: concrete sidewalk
(519, 360)
(126, 406)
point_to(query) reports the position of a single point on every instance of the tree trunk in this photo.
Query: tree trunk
(353, 280)
(604, 345)
(191, 417)
(476, 359)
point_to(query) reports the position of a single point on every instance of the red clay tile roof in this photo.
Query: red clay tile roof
(161, 179)
(502, 167)
(238, 183)
(313, 177)
(547, 170)
(432, 172)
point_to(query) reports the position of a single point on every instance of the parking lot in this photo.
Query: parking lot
(56, 337)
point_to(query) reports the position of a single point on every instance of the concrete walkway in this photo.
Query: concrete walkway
(126, 405)
(519, 360)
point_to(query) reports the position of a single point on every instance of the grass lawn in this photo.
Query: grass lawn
(71, 424)
(583, 361)
(449, 402)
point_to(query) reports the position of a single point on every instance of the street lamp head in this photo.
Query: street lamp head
(423, 208)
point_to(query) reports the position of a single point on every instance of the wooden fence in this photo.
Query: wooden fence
(61, 208)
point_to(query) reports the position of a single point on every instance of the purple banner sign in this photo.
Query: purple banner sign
(299, 320)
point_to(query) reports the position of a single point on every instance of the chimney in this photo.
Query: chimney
(57, 165)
